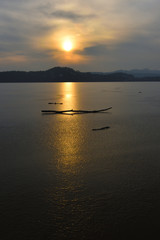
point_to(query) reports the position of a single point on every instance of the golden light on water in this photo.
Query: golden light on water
(67, 142)
(69, 91)
(69, 138)
(68, 95)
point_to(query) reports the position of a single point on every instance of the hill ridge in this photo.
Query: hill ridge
(67, 74)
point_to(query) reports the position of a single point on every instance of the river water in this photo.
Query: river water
(59, 179)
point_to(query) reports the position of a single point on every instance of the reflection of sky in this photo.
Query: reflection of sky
(106, 35)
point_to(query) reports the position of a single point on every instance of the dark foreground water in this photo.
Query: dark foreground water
(61, 180)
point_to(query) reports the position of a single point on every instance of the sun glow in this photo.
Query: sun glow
(67, 45)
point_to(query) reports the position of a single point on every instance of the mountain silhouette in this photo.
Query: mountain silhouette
(65, 74)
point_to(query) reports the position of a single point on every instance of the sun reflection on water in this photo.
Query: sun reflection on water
(69, 138)
(68, 95)
(68, 143)
(69, 92)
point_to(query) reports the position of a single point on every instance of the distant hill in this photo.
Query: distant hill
(65, 74)
(141, 73)
(138, 73)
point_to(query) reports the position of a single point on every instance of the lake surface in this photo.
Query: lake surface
(61, 180)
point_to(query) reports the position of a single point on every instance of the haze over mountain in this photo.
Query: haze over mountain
(140, 72)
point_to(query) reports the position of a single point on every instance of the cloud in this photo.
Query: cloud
(96, 50)
(107, 32)
(71, 15)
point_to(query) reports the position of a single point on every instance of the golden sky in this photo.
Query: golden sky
(86, 35)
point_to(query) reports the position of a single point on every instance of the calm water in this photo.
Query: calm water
(61, 180)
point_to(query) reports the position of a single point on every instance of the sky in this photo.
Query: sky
(104, 35)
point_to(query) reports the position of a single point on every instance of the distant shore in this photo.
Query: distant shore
(64, 74)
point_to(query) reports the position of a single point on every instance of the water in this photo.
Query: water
(61, 180)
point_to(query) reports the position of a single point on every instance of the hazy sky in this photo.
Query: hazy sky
(105, 35)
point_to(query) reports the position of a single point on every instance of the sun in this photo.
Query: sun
(67, 45)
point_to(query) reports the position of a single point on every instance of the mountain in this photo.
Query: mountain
(141, 73)
(138, 73)
(65, 74)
